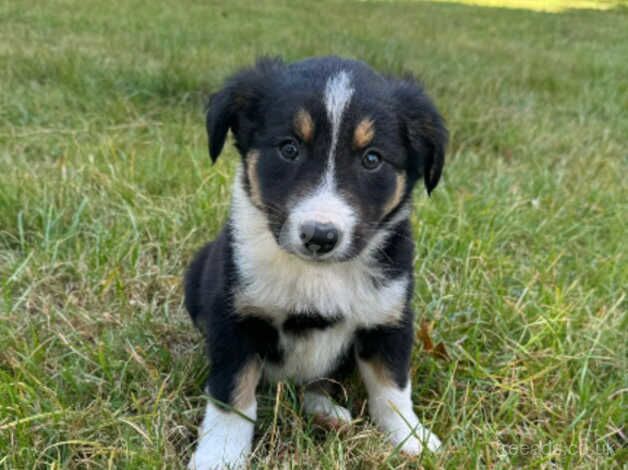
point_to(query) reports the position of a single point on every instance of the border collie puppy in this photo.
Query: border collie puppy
(312, 274)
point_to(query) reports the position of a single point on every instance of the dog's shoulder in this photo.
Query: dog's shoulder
(210, 276)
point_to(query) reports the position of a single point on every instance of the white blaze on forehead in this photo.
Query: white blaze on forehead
(324, 204)
(338, 93)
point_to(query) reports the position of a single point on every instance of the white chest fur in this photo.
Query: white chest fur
(311, 356)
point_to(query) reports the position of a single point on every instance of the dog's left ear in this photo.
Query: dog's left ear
(424, 130)
(235, 105)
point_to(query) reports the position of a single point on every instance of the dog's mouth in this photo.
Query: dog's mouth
(305, 255)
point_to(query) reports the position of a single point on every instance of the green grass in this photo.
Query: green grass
(106, 190)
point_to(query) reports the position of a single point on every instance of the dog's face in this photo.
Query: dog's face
(331, 150)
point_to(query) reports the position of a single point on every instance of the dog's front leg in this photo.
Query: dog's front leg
(383, 356)
(226, 433)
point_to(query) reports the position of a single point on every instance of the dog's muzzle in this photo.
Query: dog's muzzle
(319, 227)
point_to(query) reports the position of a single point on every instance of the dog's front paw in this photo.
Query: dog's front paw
(325, 412)
(217, 451)
(225, 439)
(213, 458)
(413, 444)
(405, 431)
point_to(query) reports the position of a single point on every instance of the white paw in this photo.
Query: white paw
(214, 459)
(414, 443)
(225, 440)
(433, 442)
(335, 414)
(324, 410)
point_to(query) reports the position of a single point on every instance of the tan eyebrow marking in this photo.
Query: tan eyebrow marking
(364, 133)
(400, 188)
(251, 172)
(304, 125)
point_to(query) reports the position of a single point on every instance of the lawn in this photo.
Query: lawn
(106, 190)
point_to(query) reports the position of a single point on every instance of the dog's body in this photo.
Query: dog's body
(313, 271)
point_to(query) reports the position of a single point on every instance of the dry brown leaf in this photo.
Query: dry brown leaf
(438, 351)
(441, 352)
(424, 336)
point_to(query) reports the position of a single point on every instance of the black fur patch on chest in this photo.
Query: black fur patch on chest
(302, 323)
(264, 338)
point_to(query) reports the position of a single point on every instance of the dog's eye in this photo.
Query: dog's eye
(371, 160)
(289, 150)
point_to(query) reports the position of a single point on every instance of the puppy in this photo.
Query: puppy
(312, 274)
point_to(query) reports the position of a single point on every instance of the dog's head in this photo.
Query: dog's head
(331, 149)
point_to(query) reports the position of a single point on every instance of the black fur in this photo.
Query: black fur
(302, 323)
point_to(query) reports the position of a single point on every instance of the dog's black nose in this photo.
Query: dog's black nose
(318, 238)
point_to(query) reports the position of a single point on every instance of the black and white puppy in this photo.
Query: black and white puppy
(312, 274)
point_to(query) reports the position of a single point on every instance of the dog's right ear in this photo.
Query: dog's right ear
(236, 105)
